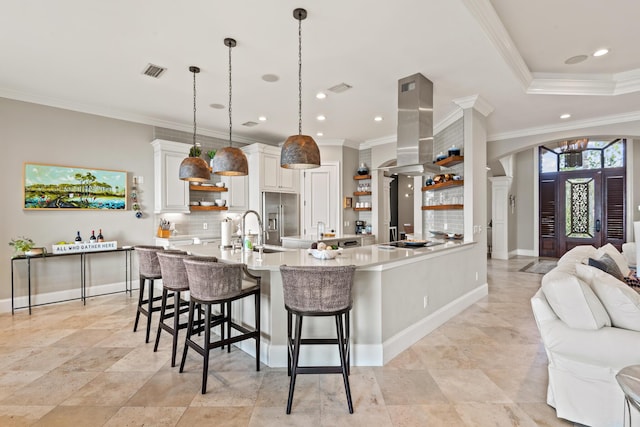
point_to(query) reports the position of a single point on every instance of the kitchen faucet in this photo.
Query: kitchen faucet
(260, 228)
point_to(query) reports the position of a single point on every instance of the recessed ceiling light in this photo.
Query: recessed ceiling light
(321, 95)
(270, 78)
(217, 106)
(321, 118)
(377, 118)
(600, 52)
(319, 134)
(576, 59)
(262, 118)
(565, 116)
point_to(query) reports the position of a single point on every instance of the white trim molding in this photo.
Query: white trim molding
(476, 102)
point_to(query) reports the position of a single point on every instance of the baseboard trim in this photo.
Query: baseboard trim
(64, 295)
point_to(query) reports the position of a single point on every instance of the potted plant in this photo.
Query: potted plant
(26, 246)
(195, 151)
(211, 154)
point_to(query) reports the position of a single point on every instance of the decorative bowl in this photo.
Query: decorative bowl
(194, 203)
(207, 204)
(324, 253)
(220, 184)
(221, 202)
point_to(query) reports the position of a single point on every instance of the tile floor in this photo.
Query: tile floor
(74, 365)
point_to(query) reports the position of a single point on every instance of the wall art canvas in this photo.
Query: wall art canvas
(66, 187)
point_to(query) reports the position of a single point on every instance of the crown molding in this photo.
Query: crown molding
(379, 141)
(573, 125)
(338, 143)
(488, 19)
(111, 113)
(476, 102)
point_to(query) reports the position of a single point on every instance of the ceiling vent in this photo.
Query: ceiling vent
(339, 88)
(250, 124)
(154, 71)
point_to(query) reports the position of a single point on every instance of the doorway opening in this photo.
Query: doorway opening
(582, 195)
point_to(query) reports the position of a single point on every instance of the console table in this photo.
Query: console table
(83, 270)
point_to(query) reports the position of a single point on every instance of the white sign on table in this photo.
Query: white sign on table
(84, 247)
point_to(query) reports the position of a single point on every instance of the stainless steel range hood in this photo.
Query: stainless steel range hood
(414, 152)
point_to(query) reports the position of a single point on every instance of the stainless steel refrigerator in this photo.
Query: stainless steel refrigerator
(280, 215)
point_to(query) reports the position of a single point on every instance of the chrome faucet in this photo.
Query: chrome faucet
(260, 228)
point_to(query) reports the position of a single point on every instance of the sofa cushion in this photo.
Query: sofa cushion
(578, 254)
(621, 302)
(608, 265)
(573, 300)
(620, 260)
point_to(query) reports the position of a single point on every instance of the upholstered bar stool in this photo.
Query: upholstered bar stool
(213, 283)
(318, 291)
(174, 282)
(149, 270)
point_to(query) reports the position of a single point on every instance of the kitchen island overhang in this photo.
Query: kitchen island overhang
(399, 296)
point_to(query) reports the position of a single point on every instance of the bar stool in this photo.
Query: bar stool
(219, 283)
(174, 281)
(629, 380)
(318, 291)
(149, 270)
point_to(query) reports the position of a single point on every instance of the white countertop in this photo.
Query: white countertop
(362, 257)
(314, 237)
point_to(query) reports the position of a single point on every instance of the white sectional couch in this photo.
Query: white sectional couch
(590, 326)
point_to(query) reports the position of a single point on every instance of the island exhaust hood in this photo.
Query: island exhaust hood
(414, 152)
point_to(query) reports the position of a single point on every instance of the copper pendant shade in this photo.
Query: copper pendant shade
(300, 151)
(194, 169)
(230, 161)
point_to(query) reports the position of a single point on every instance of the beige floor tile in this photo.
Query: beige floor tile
(432, 415)
(10, 381)
(50, 389)
(235, 416)
(301, 416)
(232, 388)
(44, 359)
(544, 415)
(167, 388)
(468, 385)
(361, 417)
(143, 359)
(18, 416)
(365, 392)
(109, 389)
(94, 359)
(493, 414)
(82, 338)
(275, 390)
(408, 387)
(62, 416)
(149, 416)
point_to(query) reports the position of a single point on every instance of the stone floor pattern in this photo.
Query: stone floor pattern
(74, 365)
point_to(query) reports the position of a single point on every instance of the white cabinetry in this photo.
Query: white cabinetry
(238, 195)
(272, 176)
(171, 195)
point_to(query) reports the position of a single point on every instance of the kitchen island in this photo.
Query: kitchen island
(399, 296)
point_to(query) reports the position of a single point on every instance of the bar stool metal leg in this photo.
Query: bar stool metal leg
(296, 357)
(343, 359)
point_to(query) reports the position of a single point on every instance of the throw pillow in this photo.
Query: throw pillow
(578, 254)
(620, 260)
(621, 302)
(608, 265)
(573, 301)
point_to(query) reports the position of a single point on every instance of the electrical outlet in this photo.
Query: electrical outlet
(205, 226)
(426, 301)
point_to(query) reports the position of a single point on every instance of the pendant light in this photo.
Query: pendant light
(230, 161)
(194, 168)
(300, 151)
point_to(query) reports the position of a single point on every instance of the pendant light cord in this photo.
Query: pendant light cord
(299, 76)
(194, 110)
(230, 122)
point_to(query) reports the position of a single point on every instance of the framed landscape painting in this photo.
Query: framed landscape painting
(66, 187)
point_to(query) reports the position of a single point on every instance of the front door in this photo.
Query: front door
(581, 208)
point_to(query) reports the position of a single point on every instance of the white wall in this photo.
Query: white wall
(39, 134)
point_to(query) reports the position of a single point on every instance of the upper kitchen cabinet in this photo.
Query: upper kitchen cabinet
(271, 177)
(238, 195)
(171, 195)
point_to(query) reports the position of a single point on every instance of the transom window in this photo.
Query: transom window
(582, 154)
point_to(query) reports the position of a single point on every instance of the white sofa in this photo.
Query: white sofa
(586, 319)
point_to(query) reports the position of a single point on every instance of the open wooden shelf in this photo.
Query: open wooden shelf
(208, 208)
(450, 161)
(442, 207)
(362, 193)
(208, 188)
(442, 185)
(358, 177)
(361, 209)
